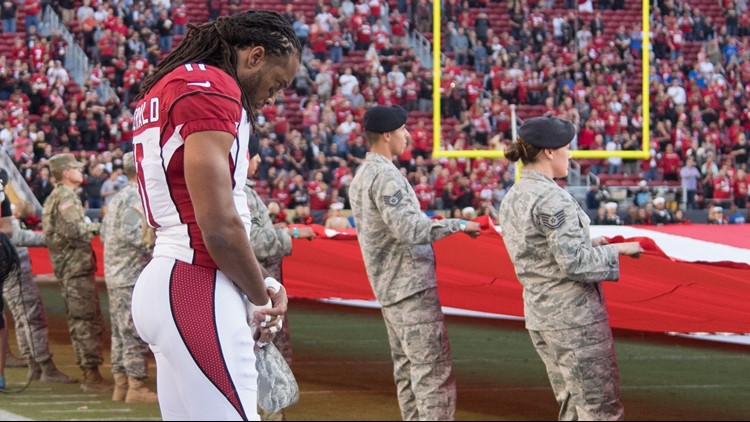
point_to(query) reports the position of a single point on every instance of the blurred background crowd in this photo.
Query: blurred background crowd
(576, 59)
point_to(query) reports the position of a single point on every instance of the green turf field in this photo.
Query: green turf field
(342, 363)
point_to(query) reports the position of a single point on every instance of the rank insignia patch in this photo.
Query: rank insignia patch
(553, 221)
(394, 199)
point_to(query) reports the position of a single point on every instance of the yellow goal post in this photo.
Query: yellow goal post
(438, 151)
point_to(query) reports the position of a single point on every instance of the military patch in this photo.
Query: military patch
(65, 205)
(393, 200)
(553, 221)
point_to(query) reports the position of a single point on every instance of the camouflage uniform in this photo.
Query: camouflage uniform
(395, 238)
(547, 235)
(24, 300)
(128, 244)
(69, 243)
(270, 246)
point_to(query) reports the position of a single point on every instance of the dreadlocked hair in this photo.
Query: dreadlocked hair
(216, 44)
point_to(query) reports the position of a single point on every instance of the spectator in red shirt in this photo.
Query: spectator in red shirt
(96, 77)
(671, 164)
(125, 128)
(741, 182)
(38, 52)
(57, 46)
(19, 51)
(320, 198)
(318, 39)
(421, 140)
(280, 193)
(280, 123)
(140, 64)
(119, 27)
(179, 17)
(425, 194)
(723, 188)
(399, 27)
(130, 83)
(342, 170)
(363, 32)
(32, 8)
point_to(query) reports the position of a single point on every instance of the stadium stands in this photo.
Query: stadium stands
(546, 58)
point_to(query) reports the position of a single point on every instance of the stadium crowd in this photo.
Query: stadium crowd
(551, 56)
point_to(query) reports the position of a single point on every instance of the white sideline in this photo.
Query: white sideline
(8, 416)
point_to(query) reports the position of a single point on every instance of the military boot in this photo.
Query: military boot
(11, 361)
(50, 373)
(139, 393)
(121, 386)
(93, 381)
(35, 371)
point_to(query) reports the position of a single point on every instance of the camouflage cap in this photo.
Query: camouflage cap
(60, 162)
(128, 163)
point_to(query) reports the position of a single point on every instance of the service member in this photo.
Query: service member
(560, 267)
(128, 244)
(68, 238)
(395, 238)
(26, 306)
(271, 243)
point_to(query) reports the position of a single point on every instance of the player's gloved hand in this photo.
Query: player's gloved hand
(268, 319)
(251, 311)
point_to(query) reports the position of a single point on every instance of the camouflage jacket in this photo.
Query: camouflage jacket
(547, 236)
(393, 233)
(22, 239)
(68, 235)
(128, 241)
(269, 244)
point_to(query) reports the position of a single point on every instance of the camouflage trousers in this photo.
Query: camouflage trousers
(282, 340)
(422, 364)
(29, 314)
(582, 369)
(129, 351)
(84, 319)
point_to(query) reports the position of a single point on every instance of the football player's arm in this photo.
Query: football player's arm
(210, 185)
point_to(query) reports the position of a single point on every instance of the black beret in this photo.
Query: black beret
(547, 132)
(380, 119)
